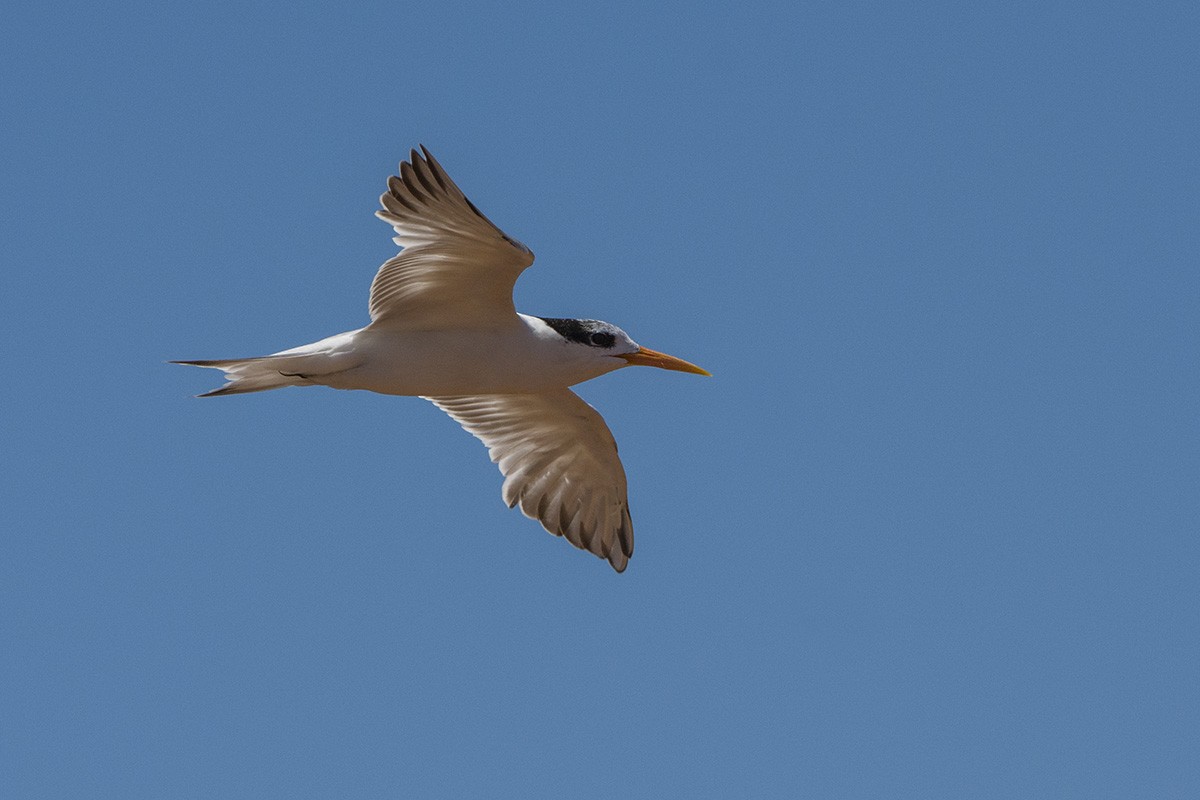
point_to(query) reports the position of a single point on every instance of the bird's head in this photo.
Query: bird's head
(605, 339)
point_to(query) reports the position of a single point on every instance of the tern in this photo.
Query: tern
(444, 327)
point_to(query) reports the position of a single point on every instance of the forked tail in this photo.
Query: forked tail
(257, 374)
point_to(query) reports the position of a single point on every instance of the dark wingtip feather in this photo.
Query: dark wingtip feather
(425, 175)
(439, 173)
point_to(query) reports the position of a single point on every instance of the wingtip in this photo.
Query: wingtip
(428, 155)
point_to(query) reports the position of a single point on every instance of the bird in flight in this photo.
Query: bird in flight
(443, 327)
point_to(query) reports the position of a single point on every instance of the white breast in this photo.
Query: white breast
(527, 356)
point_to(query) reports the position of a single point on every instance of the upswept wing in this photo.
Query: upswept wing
(457, 269)
(559, 462)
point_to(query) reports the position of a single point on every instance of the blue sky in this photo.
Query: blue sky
(930, 531)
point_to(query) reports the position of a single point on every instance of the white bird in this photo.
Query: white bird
(443, 327)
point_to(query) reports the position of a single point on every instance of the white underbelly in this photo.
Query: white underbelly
(440, 363)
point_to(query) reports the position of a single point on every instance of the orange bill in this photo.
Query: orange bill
(651, 358)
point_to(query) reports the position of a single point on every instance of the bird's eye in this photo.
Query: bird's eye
(603, 339)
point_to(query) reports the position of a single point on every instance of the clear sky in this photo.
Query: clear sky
(930, 531)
